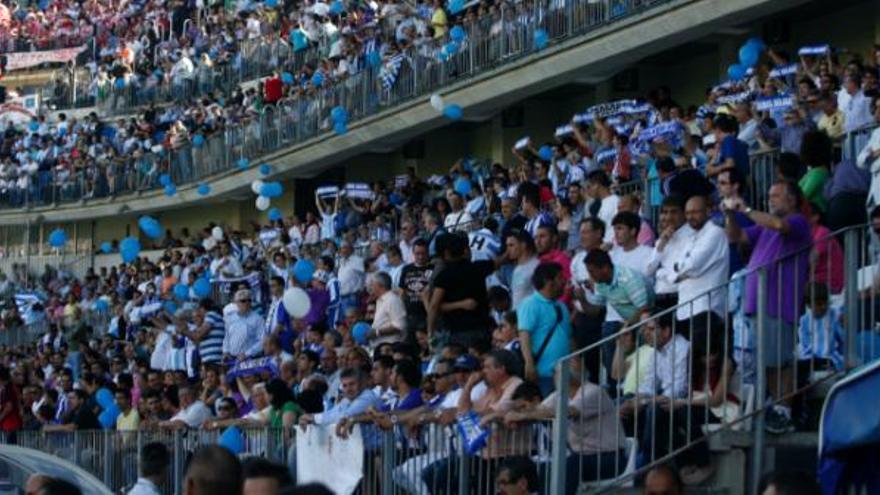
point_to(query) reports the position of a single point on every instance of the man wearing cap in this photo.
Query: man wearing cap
(244, 327)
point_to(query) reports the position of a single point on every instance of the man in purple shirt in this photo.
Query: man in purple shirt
(780, 242)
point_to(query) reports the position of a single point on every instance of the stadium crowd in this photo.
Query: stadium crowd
(433, 298)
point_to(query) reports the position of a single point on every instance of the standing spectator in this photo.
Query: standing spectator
(632, 204)
(833, 120)
(459, 305)
(732, 154)
(154, 463)
(816, 155)
(10, 406)
(702, 270)
(605, 203)
(530, 204)
(408, 238)
(414, 280)
(578, 211)
(544, 326)
(459, 219)
(328, 216)
(587, 327)
(389, 321)
(278, 321)
(855, 106)
(779, 241)
(128, 418)
(521, 251)
(351, 276)
(627, 251)
(547, 246)
(868, 156)
(433, 230)
(210, 332)
(244, 327)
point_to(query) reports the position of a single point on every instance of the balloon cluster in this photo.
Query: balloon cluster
(749, 54)
(451, 111)
(109, 410)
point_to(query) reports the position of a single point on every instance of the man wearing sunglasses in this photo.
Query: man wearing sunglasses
(244, 327)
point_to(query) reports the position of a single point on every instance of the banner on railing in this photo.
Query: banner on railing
(318, 447)
(23, 60)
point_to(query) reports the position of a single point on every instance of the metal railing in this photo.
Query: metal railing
(760, 356)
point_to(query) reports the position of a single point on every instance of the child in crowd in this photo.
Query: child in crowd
(820, 333)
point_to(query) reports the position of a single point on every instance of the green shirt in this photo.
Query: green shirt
(812, 185)
(276, 417)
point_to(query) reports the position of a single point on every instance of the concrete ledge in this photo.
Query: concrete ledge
(596, 55)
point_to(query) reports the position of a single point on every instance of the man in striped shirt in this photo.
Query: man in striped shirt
(209, 333)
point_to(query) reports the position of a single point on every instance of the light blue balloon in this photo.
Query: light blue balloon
(736, 72)
(34, 126)
(303, 271)
(457, 34)
(164, 179)
(204, 189)
(198, 140)
(463, 186)
(170, 190)
(449, 49)
(749, 55)
(271, 3)
(102, 305)
(359, 332)
(104, 398)
(108, 416)
(57, 238)
(265, 169)
(337, 8)
(340, 128)
(106, 247)
(545, 153)
(287, 78)
(339, 114)
(453, 112)
(120, 83)
(129, 248)
(757, 42)
(231, 440)
(541, 39)
(299, 40)
(243, 163)
(202, 288)
(150, 227)
(271, 190)
(170, 307)
(455, 6)
(274, 214)
(317, 79)
(181, 291)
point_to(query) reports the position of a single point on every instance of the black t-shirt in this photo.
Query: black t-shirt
(85, 419)
(465, 280)
(413, 280)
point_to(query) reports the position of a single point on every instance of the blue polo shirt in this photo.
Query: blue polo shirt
(537, 316)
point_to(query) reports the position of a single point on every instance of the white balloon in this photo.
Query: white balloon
(217, 233)
(262, 203)
(296, 301)
(256, 186)
(437, 102)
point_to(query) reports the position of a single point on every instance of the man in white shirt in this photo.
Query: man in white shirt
(154, 463)
(244, 327)
(407, 239)
(351, 275)
(587, 329)
(458, 220)
(605, 203)
(627, 251)
(703, 265)
(667, 251)
(854, 104)
(389, 320)
(192, 412)
(226, 266)
(748, 125)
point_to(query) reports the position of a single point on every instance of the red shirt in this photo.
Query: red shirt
(559, 256)
(12, 421)
(273, 89)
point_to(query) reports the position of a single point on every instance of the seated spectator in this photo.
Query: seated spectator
(517, 476)
(192, 413)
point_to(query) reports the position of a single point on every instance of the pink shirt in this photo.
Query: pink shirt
(828, 267)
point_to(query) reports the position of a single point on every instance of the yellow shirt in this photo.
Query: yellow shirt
(636, 374)
(129, 422)
(438, 22)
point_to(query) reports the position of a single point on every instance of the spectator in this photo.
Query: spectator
(779, 243)
(867, 159)
(627, 251)
(414, 280)
(544, 326)
(10, 406)
(155, 460)
(702, 268)
(587, 329)
(389, 322)
(128, 418)
(517, 476)
(357, 398)
(244, 327)
(732, 153)
(667, 252)
(350, 269)
(632, 204)
(833, 120)
(263, 477)
(521, 251)
(855, 105)
(79, 416)
(663, 480)
(459, 219)
(213, 469)
(820, 333)
(789, 483)
(605, 204)
(192, 414)
(816, 155)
